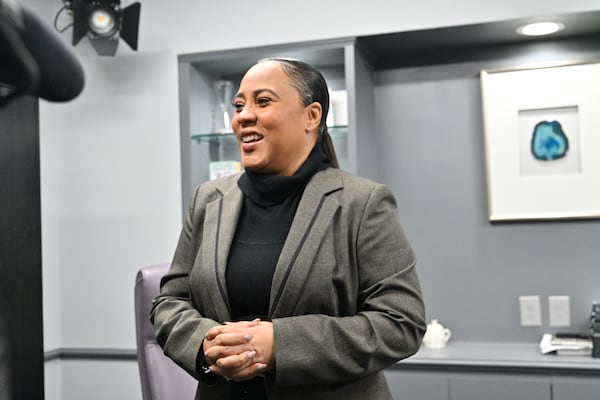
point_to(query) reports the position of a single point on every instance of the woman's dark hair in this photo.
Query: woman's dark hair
(311, 87)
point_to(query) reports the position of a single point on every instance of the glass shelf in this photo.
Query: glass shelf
(334, 131)
(215, 137)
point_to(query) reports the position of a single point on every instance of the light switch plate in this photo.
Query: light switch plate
(530, 308)
(560, 311)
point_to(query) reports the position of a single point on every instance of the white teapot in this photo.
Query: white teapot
(436, 335)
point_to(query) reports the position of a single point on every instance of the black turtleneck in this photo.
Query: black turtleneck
(270, 202)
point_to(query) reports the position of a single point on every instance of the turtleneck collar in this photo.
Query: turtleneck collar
(271, 189)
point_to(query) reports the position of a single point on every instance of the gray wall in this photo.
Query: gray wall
(432, 152)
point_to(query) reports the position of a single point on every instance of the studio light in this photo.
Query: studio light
(104, 22)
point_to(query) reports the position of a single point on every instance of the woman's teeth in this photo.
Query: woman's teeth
(251, 138)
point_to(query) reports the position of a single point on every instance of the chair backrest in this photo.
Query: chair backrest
(161, 378)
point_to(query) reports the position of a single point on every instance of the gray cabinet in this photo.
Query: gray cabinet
(436, 385)
(493, 371)
(472, 383)
(417, 385)
(432, 384)
(499, 387)
(575, 388)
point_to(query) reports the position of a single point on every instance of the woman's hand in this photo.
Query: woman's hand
(240, 350)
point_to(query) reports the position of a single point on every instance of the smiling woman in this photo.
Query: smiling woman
(279, 267)
(275, 126)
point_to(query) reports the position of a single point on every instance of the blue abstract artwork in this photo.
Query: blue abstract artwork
(548, 141)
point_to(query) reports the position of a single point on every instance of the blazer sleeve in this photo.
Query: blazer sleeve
(390, 318)
(179, 326)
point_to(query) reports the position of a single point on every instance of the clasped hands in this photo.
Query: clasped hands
(240, 350)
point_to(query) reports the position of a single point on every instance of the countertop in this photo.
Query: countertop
(499, 356)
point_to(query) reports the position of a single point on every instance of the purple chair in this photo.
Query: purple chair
(161, 378)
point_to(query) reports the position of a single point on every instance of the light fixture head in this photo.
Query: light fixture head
(104, 22)
(540, 28)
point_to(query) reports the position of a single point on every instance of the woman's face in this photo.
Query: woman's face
(274, 130)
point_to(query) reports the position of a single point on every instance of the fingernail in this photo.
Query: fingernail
(212, 368)
(261, 367)
(251, 355)
(247, 338)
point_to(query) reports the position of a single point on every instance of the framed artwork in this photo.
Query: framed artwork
(542, 142)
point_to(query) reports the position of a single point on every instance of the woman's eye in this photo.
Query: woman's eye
(263, 101)
(238, 106)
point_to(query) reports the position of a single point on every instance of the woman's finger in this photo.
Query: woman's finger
(232, 366)
(230, 327)
(230, 339)
(216, 353)
(244, 324)
(250, 372)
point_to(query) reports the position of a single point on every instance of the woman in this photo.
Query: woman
(292, 280)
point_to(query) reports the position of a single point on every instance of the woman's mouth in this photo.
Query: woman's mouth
(253, 137)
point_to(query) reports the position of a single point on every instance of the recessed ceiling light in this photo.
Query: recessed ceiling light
(540, 28)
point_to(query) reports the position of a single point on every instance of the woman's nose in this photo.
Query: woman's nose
(245, 116)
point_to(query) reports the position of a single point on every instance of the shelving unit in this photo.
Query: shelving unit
(339, 61)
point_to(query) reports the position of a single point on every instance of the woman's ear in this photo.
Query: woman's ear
(313, 116)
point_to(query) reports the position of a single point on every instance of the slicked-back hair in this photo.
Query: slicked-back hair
(311, 87)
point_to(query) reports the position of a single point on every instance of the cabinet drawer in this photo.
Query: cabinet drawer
(499, 387)
(575, 388)
(410, 385)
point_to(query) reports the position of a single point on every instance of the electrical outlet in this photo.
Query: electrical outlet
(559, 310)
(530, 309)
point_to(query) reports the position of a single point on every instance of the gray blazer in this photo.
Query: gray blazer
(345, 299)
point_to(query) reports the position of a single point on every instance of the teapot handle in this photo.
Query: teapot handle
(447, 334)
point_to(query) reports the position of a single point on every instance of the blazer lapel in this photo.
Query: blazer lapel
(310, 224)
(221, 216)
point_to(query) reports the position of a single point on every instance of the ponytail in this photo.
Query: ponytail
(327, 144)
(311, 87)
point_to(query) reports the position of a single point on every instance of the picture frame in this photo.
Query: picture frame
(542, 141)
